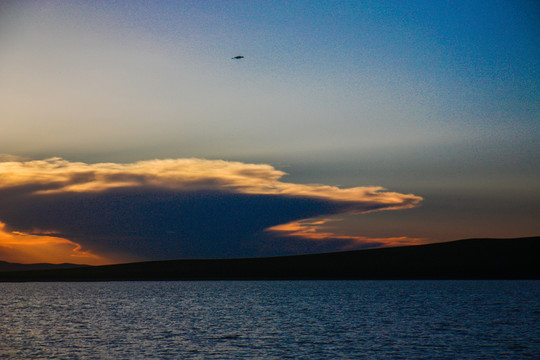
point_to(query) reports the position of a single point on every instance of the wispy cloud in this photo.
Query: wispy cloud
(171, 208)
(313, 230)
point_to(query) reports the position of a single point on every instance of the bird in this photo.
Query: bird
(238, 57)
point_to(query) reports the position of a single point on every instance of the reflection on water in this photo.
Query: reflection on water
(271, 319)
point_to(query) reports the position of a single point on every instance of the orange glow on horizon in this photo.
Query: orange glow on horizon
(25, 248)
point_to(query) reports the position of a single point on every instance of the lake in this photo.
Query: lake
(271, 320)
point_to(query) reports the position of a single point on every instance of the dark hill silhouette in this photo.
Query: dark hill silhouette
(7, 266)
(462, 259)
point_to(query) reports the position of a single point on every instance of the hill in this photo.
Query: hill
(462, 259)
(7, 266)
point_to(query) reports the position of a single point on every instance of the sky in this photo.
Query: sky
(128, 132)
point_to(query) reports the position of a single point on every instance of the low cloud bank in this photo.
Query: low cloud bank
(172, 208)
(313, 230)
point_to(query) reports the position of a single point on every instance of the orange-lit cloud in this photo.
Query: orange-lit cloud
(56, 175)
(170, 209)
(31, 248)
(311, 230)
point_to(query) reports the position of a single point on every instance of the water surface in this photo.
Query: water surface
(271, 319)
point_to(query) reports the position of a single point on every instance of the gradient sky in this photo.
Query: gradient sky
(127, 132)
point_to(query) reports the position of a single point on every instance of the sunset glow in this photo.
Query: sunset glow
(309, 179)
(40, 248)
(57, 175)
(27, 186)
(129, 131)
(310, 230)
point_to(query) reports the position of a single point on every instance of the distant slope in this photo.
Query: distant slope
(7, 266)
(462, 259)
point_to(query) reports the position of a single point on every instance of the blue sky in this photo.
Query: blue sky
(436, 99)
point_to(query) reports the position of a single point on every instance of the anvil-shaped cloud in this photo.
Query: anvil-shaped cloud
(171, 208)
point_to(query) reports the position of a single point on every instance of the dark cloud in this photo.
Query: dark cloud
(160, 224)
(160, 210)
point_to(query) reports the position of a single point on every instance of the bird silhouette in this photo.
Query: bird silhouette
(238, 57)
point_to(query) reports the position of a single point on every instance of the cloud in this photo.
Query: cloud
(171, 208)
(11, 158)
(26, 248)
(310, 230)
(56, 175)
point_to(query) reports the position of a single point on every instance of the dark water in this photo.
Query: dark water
(271, 320)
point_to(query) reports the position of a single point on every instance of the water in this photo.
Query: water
(271, 320)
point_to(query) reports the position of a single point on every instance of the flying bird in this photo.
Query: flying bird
(238, 57)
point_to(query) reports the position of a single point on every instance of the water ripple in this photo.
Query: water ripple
(271, 320)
